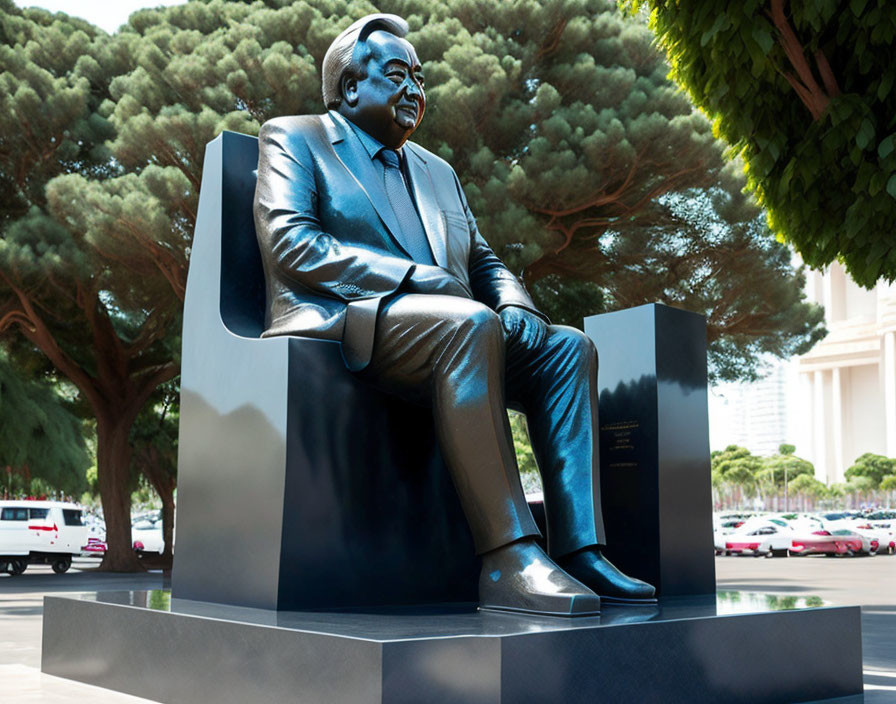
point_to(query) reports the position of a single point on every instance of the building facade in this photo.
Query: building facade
(845, 404)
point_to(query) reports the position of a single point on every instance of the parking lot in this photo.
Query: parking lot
(869, 582)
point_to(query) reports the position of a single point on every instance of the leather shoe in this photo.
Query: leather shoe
(594, 570)
(520, 577)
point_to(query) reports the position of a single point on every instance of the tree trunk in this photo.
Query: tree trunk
(113, 459)
(164, 484)
(167, 496)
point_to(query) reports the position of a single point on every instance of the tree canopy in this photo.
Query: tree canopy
(40, 436)
(874, 468)
(587, 169)
(83, 242)
(803, 93)
(592, 176)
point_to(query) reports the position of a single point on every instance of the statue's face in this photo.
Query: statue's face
(389, 102)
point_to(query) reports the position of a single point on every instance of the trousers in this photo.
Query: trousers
(449, 354)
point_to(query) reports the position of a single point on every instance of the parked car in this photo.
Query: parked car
(760, 537)
(882, 536)
(94, 546)
(49, 532)
(833, 542)
(147, 535)
(722, 531)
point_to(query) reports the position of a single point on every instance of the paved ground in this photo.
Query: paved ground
(868, 582)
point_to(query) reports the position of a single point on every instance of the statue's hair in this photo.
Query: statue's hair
(342, 55)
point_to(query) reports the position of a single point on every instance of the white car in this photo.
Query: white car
(146, 535)
(760, 536)
(722, 530)
(872, 531)
(40, 532)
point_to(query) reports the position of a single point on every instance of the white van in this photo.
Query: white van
(40, 531)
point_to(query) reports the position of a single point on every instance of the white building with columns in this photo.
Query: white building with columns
(846, 402)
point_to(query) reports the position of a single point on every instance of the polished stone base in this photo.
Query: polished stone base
(682, 650)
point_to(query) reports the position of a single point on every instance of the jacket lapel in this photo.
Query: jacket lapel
(430, 214)
(357, 162)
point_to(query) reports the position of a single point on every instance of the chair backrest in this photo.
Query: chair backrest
(242, 277)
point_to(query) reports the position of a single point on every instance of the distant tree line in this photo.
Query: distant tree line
(739, 475)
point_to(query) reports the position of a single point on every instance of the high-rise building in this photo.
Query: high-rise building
(754, 416)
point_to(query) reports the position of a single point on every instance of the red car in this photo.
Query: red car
(838, 542)
(95, 546)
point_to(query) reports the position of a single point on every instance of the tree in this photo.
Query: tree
(525, 457)
(809, 485)
(40, 437)
(561, 124)
(557, 116)
(778, 468)
(873, 467)
(83, 281)
(709, 251)
(154, 439)
(736, 466)
(803, 94)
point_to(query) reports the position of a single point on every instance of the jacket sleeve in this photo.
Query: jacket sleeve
(492, 283)
(289, 230)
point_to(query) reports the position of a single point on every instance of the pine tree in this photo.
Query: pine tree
(80, 281)
(559, 119)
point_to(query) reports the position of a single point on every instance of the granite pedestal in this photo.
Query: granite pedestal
(654, 446)
(682, 650)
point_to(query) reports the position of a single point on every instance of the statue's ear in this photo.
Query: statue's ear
(349, 87)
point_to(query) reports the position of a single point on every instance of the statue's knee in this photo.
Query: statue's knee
(577, 344)
(482, 322)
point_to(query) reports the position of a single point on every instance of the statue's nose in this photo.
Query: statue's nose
(413, 89)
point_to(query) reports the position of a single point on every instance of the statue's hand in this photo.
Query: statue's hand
(436, 280)
(523, 328)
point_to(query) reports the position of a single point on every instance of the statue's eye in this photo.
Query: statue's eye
(396, 75)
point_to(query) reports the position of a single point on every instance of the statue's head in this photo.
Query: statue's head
(372, 76)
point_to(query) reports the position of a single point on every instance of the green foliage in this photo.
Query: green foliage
(888, 483)
(871, 467)
(861, 484)
(803, 94)
(40, 437)
(736, 466)
(809, 485)
(777, 468)
(786, 449)
(574, 148)
(525, 458)
(92, 258)
(560, 121)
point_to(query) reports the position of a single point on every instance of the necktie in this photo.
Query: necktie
(412, 235)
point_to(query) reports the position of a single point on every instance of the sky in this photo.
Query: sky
(108, 14)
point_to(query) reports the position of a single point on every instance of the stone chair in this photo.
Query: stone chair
(299, 487)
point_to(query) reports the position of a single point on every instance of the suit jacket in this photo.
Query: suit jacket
(327, 233)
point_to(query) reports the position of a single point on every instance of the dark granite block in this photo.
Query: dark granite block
(655, 471)
(680, 651)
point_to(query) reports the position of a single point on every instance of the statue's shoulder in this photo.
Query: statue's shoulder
(293, 127)
(433, 161)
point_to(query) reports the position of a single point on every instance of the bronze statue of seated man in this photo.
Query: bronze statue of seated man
(367, 238)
